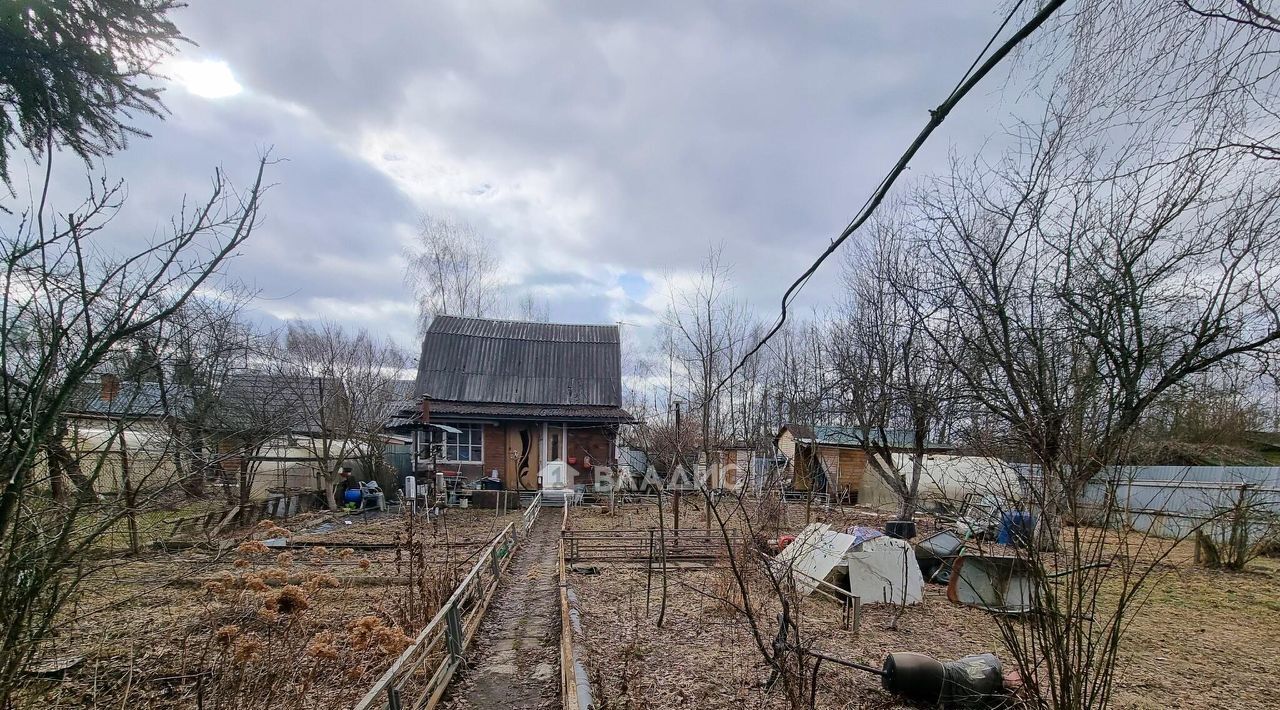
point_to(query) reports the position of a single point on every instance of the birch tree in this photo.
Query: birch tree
(453, 270)
(895, 381)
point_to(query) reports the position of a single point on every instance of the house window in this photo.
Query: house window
(463, 447)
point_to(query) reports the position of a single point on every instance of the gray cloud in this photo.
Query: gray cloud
(600, 144)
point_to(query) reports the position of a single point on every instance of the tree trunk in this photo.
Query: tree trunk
(245, 482)
(130, 496)
(911, 491)
(329, 497)
(192, 474)
(68, 464)
(1052, 509)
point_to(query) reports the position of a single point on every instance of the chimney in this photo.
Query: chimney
(110, 386)
(426, 409)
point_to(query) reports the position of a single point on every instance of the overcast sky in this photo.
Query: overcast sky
(603, 146)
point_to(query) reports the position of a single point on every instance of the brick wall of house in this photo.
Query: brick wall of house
(593, 443)
(495, 449)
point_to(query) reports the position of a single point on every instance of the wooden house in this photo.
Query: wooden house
(518, 395)
(833, 460)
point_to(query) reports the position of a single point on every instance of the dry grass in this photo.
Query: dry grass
(250, 627)
(1204, 639)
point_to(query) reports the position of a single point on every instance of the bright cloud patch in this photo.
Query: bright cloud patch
(208, 78)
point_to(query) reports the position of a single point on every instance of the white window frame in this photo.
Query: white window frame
(474, 431)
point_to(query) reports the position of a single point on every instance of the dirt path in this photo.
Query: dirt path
(515, 662)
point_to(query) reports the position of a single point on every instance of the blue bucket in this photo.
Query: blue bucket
(353, 495)
(1016, 528)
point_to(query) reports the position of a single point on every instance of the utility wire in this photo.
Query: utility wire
(970, 79)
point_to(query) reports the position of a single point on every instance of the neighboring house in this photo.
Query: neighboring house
(259, 431)
(743, 467)
(520, 395)
(114, 427)
(399, 449)
(831, 459)
(263, 432)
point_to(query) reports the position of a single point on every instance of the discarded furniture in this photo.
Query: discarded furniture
(884, 570)
(980, 516)
(936, 553)
(1002, 584)
(815, 552)
(879, 569)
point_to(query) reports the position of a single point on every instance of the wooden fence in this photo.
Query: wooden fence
(646, 546)
(419, 677)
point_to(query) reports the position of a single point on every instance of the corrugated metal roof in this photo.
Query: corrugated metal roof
(443, 412)
(133, 399)
(512, 362)
(827, 435)
(403, 389)
(270, 401)
(523, 330)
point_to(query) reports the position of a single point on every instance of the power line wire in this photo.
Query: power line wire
(967, 82)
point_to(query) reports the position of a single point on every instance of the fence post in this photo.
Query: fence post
(453, 632)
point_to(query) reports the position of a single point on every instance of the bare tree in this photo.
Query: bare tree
(68, 303)
(533, 309)
(343, 382)
(1082, 279)
(1080, 292)
(193, 356)
(895, 381)
(708, 326)
(453, 270)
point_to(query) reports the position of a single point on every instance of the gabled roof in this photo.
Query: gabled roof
(403, 390)
(484, 361)
(261, 401)
(828, 435)
(132, 400)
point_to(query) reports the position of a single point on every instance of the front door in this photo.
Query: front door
(523, 460)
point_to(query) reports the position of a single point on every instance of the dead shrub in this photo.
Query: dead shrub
(289, 600)
(320, 581)
(275, 576)
(226, 634)
(252, 547)
(248, 648)
(322, 646)
(725, 592)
